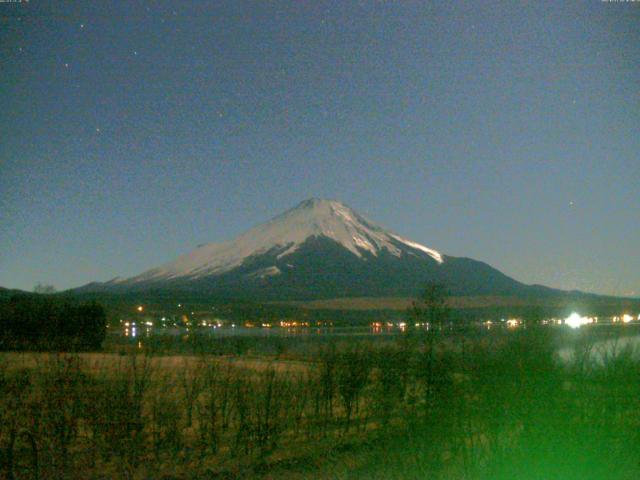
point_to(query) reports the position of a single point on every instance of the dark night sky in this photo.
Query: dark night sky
(503, 131)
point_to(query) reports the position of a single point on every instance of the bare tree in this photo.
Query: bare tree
(44, 288)
(432, 307)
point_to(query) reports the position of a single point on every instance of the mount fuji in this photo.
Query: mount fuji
(318, 249)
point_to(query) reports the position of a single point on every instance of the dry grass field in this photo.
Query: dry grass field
(420, 407)
(462, 302)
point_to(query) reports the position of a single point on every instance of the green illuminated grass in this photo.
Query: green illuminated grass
(503, 407)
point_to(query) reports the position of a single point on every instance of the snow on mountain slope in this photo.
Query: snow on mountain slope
(283, 235)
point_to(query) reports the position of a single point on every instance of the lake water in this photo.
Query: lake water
(601, 349)
(602, 341)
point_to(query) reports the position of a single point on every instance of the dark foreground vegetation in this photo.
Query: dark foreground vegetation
(421, 406)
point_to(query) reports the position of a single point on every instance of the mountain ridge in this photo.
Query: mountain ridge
(319, 249)
(283, 235)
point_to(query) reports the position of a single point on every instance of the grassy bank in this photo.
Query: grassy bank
(420, 406)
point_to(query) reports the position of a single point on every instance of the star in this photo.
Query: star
(135, 52)
(97, 129)
(66, 65)
(82, 26)
(571, 204)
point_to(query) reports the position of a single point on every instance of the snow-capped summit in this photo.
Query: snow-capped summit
(318, 249)
(284, 235)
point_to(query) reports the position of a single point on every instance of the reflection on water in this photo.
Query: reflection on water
(240, 331)
(249, 329)
(598, 351)
(596, 342)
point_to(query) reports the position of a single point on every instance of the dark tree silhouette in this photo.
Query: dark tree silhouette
(431, 307)
(43, 288)
(37, 322)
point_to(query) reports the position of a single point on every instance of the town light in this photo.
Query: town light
(575, 320)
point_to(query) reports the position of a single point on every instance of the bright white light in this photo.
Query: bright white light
(626, 318)
(575, 320)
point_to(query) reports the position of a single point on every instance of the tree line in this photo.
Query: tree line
(37, 322)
